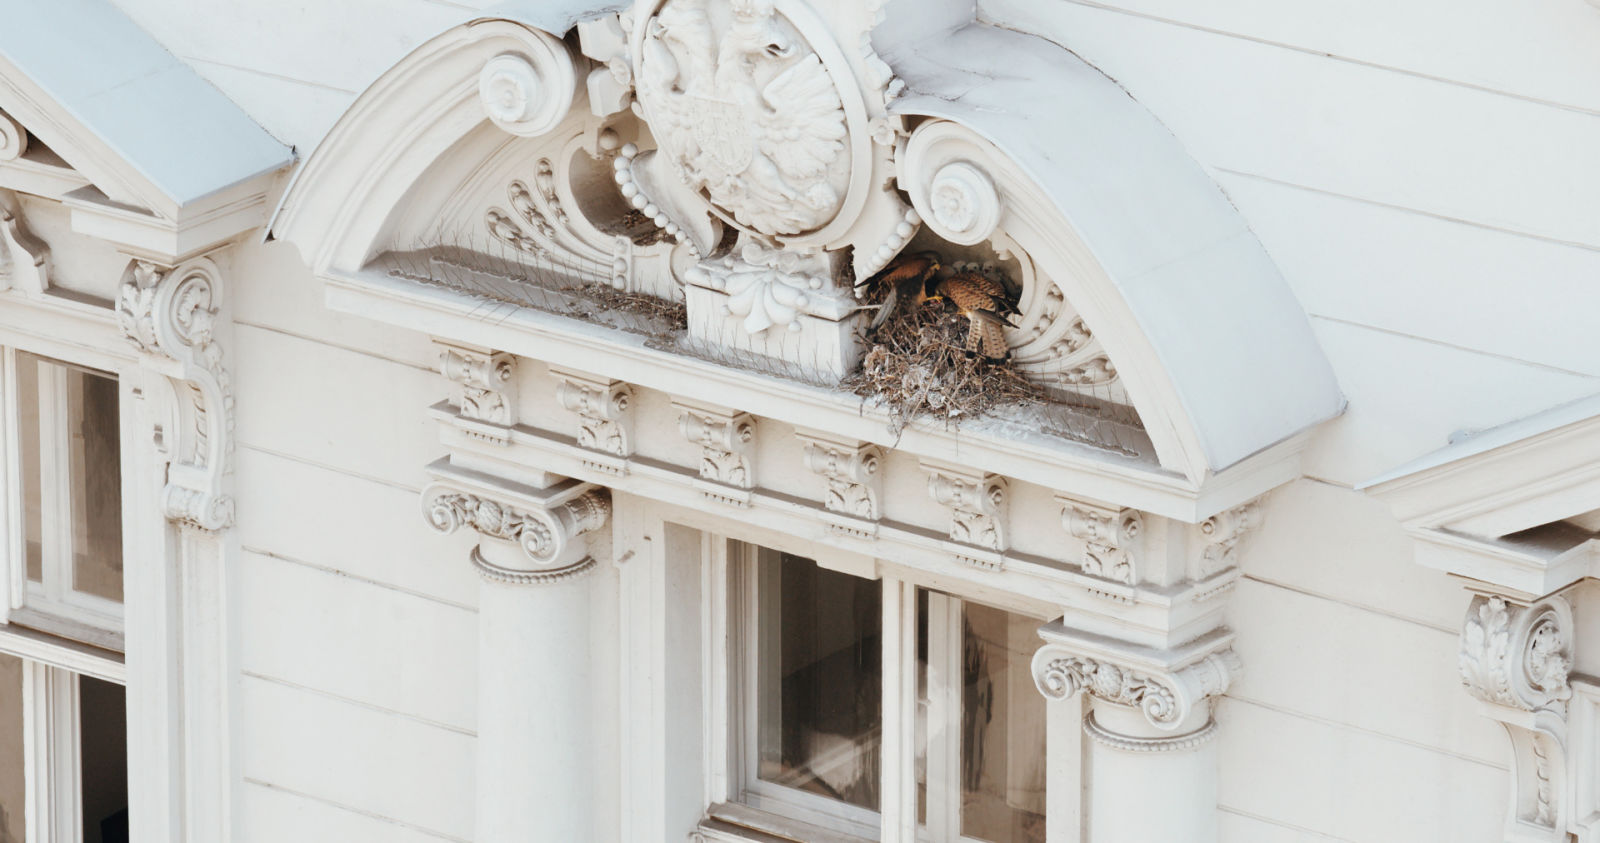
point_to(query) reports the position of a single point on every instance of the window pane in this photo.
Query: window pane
(32, 507)
(819, 690)
(103, 718)
(11, 785)
(1002, 728)
(95, 455)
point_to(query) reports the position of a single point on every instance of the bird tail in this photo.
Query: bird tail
(989, 336)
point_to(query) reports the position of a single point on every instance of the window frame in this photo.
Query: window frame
(730, 601)
(52, 605)
(51, 729)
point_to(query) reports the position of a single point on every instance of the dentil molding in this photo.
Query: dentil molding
(169, 314)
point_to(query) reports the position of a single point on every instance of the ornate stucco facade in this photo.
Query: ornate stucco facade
(497, 459)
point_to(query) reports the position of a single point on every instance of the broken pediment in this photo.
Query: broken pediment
(745, 182)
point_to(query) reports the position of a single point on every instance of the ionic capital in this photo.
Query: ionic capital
(1171, 688)
(169, 314)
(548, 524)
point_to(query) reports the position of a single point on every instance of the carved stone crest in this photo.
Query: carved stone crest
(747, 112)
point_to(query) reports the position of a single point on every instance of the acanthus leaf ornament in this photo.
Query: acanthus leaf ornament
(605, 417)
(486, 389)
(1111, 538)
(1517, 657)
(979, 508)
(853, 472)
(725, 438)
(169, 314)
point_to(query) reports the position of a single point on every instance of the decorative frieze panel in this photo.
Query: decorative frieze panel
(546, 524)
(979, 509)
(486, 388)
(169, 314)
(605, 416)
(725, 440)
(1516, 657)
(1111, 537)
(853, 473)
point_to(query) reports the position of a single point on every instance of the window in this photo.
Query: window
(63, 755)
(66, 481)
(806, 687)
(811, 707)
(981, 723)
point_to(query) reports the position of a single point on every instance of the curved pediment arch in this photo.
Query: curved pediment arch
(644, 154)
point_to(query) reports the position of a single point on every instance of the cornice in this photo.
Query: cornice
(1008, 450)
(1157, 615)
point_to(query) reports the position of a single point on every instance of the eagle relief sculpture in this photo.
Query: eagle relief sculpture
(746, 112)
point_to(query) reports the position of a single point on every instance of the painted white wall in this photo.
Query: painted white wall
(1423, 174)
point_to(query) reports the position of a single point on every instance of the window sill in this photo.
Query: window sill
(730, 823)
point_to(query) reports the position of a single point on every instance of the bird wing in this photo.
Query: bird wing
(802, 128)
(974, 292)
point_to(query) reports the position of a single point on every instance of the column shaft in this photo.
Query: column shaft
(1144, 786)
(534, 740)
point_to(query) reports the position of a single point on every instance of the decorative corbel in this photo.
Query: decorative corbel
(1112, 538)
(486, 389)
(169, 314)
(1515, 658)
(24, 259)
(1167, 687)
(546, 524)
(1221, 535)
(979, 508)
(724, 437)
(853, 473)
(605, 417)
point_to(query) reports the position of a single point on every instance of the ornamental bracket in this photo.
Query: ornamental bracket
(169, 314)
(1516, 658)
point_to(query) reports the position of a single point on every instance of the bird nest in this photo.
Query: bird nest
(918, 365)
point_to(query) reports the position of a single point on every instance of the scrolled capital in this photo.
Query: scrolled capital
(1166, 697)
(548, 532)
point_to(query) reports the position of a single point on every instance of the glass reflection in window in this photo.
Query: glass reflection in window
(819, 679)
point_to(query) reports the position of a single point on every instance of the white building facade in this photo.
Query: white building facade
(424, 422)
